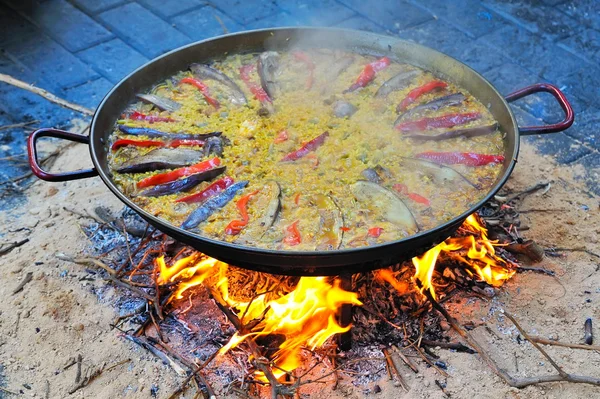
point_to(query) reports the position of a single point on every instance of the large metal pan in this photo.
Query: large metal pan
(292, 262)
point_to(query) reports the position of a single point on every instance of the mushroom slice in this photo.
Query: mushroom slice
(441, 174)
(388, 204)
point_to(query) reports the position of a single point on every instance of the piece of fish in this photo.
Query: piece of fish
(152, 133)
(160, 158)
(209, 206)
(182, 185)
(268, 68)
(213, 145)
(433, 105)
(331, 223)
(205, 72)
(389, 205)
(397, 82)
(451, 134)
(267, 201)
(440, 174)
(343, 109)
(162, 103)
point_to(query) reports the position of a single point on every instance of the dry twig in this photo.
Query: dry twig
(12, 246)
(544, 341)
(27, 279)
(45, 94)
(18, 125)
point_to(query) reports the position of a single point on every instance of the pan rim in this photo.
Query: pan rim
(165, 225)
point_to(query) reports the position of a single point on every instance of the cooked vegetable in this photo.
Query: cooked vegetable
(368, 73)
(160, 158)
(433, 105)
(213, 145)
(343, 109)
(202, 213)
(152, 133)
(136, 143)
(138, 116)
(371, 175)
(463, 158)
(331, 223)
(306, 148)
(281, 137)
(398, 82)
(268, 67)
(375, 232)
(203, 89)
(185, 184)
(414, 94)
(162, 103)
(236, 226)
(208, 192)
(439, 173)
(450, 134)
(385, 202)
(449, 120)
(259, 93)
(177, 173)
(205, 72)
(310, 65)
(292, 234)
(271, 210)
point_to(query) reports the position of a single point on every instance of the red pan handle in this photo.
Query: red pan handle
(61, 176)
(560, 97)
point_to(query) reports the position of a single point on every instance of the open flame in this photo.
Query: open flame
(305, 317)
(481, 258)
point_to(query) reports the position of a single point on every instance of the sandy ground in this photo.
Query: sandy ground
(60, 313)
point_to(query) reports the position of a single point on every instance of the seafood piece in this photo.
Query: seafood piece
(414, 94)
(439, 173)
(343, 109)
(371, 175)
(162, 103)
(398, 82)
(390, 206)
(268, 201)
(450, 134)
(213, 145)
(449, 120)
(331, 223)
(202, 213)
(306, 148)
(205, 72)
(160, 158)
(268, 67)
(152, 133)
(185, 184)
(450, 100)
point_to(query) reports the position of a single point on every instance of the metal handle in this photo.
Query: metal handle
(61, 176)
(560, 97)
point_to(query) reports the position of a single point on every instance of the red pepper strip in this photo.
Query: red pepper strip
(306, 148)
(305, 58)
(137, 143)
(292, 236)
(203, 89)
(374, 232)
(259, 93)
(414, 94)
(281, 137)
(345, 229)
(177, 173)
(449, 120)
(368, 73)
(214, 189)
(236, 226)
(463, 158)
(297, 199)
(401, 188)
(185, 143)
(138, 116)
(419, 199)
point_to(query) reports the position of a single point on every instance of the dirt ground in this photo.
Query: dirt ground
(62, 313)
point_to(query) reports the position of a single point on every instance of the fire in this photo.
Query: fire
(305, 317)
(481, 257)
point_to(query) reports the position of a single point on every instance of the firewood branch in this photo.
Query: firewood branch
(510, 380)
